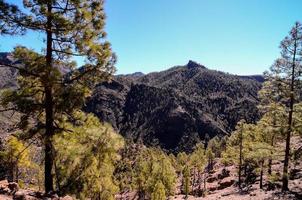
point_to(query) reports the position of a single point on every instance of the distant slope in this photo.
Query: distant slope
(177, 107)
(7, 80)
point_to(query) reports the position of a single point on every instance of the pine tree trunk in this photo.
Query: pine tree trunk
(240, 160)
(193, 181)
(287, 150)
(290, 121)
(48, 177)
(199, 182)
(270, 160)
(17, 174)
(269, 171)
(204, 182)
(261, 175)
(49, 129)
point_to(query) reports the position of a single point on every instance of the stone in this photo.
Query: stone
(4, 189)
(19, 195)
(55, 197)
(66, 198)
(3, 184)
(224, 173)
(13, 186)
(25, 195)
(211, 179)
(225, 183)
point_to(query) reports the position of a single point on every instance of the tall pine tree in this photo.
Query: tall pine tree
(285, 76)
(50, 84)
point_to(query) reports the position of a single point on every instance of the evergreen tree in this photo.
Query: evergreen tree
(152, 166)
(159, 192)
(285, 77)
(85, 159)
(182, 163)
(50, 84)
(197, 163)
(186, 181)
(125, 174)
(15, 157)
(217, 145)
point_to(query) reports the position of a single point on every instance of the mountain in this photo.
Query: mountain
(7, 80)
(177, 107)
(172, 109)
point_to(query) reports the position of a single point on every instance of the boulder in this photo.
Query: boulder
(25, 195)
(225, 183)
(224, 173)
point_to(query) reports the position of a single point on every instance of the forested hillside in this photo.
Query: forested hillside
(178, 107)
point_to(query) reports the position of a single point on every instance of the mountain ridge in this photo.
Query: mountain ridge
(177, 107)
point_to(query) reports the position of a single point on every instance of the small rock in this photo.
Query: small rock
(19, 195)
(66, 198)
(14, 187)
(226, 194)
(252, 194)
(55, 197)
(3, 184)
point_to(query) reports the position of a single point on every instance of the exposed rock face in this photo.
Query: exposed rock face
(178, 107)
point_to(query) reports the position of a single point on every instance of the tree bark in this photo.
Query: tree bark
(49, 130)
(270, 160)
(193, 181)
(261, 174)
(240, 159)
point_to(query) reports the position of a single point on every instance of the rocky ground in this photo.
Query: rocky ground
(221, 184)
(11, 191)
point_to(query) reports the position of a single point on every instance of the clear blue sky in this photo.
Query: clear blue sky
(236, 36)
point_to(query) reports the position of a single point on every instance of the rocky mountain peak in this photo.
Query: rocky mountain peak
(192, 64)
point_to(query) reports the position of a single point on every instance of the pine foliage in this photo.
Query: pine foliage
(86, 157)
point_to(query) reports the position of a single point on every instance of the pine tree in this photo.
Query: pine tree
(197, 163)
(15, 157)
(159, 192)
(50, 84)
(85, 160)
(186, 181)
(239, 144)
(285, 76)
(153, 165)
